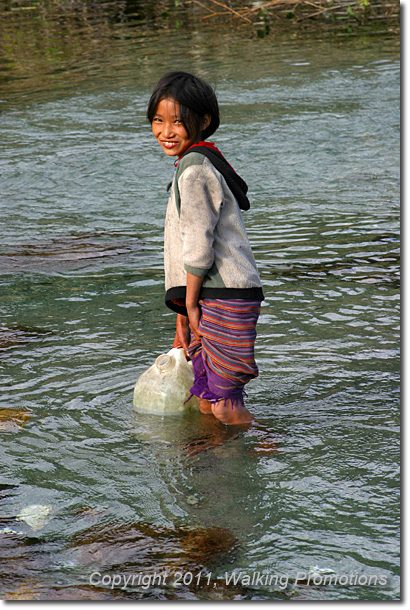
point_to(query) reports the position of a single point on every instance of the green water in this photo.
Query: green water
(313, 126)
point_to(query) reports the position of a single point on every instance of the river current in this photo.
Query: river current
(312, 125)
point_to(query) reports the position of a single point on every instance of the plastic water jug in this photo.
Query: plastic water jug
(164, 387)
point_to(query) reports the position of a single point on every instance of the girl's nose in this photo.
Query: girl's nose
(168, 129)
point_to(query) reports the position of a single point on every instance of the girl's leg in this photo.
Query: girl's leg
(200, 387)
(232, 413)
(205, 406)
(228, 337)
(238, 361)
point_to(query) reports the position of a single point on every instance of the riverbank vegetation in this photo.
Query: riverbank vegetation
(43, 39)
(261, 16)
(256, 17)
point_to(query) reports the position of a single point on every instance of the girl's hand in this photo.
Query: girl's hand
(182, 334)
(194, 315)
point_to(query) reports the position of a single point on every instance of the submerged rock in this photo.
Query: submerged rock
(67, 251)
(13, 419)
(17, 334)
(149, 547)
(26, 591)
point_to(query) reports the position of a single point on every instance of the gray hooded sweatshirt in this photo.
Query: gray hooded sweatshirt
(206, 236)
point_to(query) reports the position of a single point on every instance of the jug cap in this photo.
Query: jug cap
(164, 362)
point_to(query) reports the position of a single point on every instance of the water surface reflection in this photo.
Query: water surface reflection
(313, 127)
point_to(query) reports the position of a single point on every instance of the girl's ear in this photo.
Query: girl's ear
(206, 122)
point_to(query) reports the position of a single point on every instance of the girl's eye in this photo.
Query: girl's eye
(178, 121)
(156, 120)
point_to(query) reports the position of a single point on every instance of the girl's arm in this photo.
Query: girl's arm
(193, 287)
(182, 333)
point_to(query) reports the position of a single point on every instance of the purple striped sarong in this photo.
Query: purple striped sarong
(224, 361)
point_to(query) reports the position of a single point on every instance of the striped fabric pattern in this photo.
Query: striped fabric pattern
(224, 360)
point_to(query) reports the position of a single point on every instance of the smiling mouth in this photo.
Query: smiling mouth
(169, 143)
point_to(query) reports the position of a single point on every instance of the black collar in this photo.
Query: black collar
(238, 186)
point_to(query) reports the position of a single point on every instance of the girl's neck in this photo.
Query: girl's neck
(203, 143)
(200, 143)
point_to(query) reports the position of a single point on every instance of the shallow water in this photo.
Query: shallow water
(313, 127)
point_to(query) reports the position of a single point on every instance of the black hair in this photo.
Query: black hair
(196, 99)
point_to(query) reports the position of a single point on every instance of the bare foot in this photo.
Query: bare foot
(231, 414)
(205, 406)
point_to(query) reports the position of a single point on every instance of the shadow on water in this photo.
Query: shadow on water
(196, 434)
(266, 441)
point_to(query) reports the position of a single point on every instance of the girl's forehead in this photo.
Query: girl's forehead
(167, 105)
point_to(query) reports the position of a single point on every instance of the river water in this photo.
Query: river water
(312, 124)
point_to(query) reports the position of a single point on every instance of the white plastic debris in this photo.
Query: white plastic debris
(36, 515)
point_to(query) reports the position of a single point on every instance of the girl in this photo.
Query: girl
(211, 278)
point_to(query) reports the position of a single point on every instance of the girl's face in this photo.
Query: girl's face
(169, 130)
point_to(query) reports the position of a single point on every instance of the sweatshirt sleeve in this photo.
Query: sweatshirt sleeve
(201, 199)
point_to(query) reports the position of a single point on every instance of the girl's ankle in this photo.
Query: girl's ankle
(205, 406)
